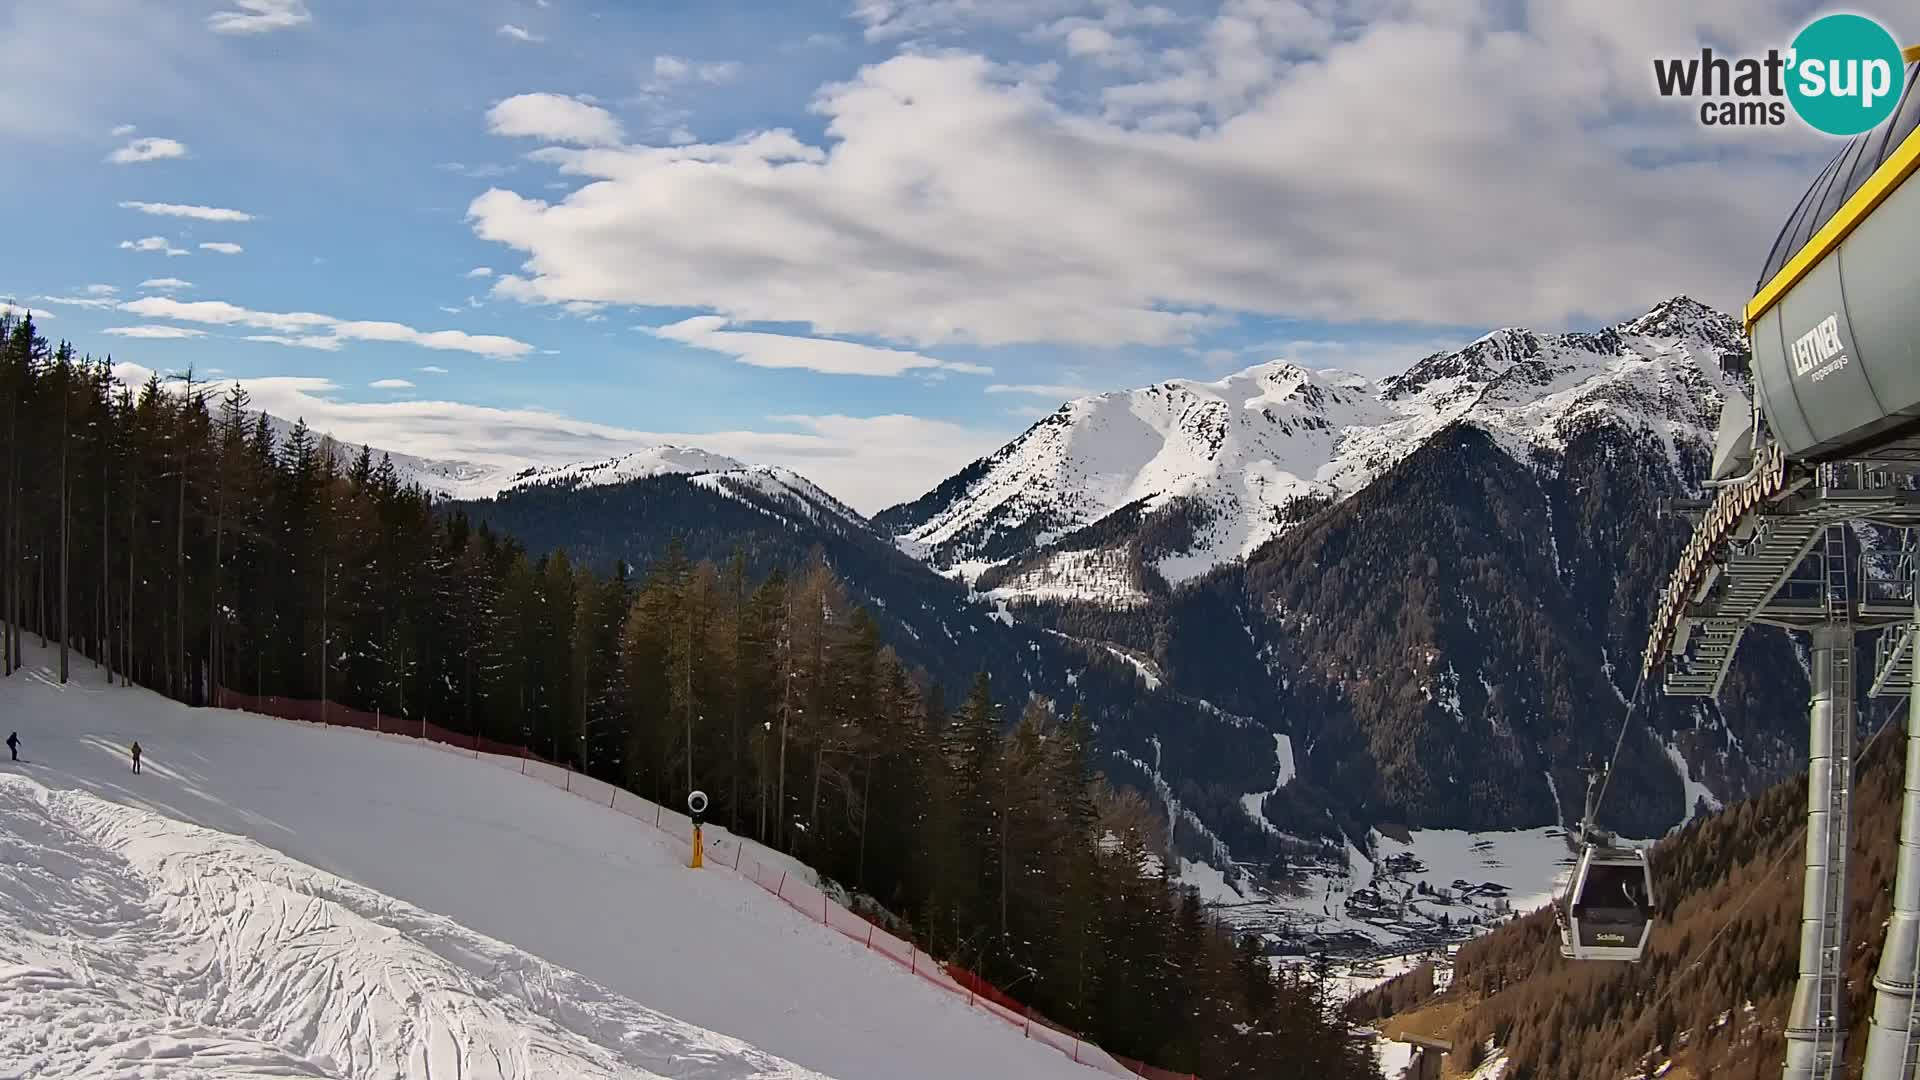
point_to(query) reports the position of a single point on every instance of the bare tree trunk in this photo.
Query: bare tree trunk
(179, 655)
(66, 530)
(786, 709)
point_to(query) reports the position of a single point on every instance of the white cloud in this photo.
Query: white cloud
(1051, 390)
(148, 149)
(260, 17)
(22, 311)
(79, 301)
(1513, 192)
(324, 344)
(123, 131)
(166, 283)
(158, 333)
(153, 243)
(306, 329)
(222, 247)
(520, 33)
(812, 354)
(101, 290)
(869, 462)
(480, 271)
(1373, 359)
(198, 213)
(390, 384)
(555, 118)
(668, 70)
(432, 369)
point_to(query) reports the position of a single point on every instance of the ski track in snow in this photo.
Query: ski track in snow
(135, 945)
(402, 870)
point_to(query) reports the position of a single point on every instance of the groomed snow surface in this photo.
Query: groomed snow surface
(384, 909)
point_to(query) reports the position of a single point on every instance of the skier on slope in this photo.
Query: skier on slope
(13, 745)
(136, 756)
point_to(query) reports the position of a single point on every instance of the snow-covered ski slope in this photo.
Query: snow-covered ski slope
(388, 832)
(132, 944)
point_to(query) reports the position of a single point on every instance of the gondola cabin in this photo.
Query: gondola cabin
(1607, 913)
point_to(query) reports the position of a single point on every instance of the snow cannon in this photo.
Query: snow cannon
(1835, 317)
(697, 810)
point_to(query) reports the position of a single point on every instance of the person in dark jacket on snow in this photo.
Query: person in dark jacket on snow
(13, 745)
(136, 757)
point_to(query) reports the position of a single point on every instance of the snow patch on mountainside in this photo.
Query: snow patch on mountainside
(1696, 791)
(1236, 462)
(1255, 803)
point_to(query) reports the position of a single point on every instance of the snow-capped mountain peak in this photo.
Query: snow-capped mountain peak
(1226, 466)
(639, 464)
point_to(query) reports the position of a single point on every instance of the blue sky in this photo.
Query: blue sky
(870, 240)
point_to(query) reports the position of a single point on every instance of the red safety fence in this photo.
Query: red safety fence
(785, 878)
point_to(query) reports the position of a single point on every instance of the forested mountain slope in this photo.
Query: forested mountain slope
(1715, 987)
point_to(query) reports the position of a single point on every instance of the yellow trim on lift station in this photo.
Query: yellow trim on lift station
(1884, 182)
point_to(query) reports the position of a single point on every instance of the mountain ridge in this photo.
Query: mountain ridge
(1244, 458)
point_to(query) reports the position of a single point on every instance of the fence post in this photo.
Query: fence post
(523, 761)
(738, 844)
(376, 720)
(783, 885)
(825, 920)
(913, 958)
(656, 815)
(1029, 1011)
(1076, 1050)
(869, 935)
(569, 770)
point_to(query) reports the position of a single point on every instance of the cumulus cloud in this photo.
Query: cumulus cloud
(432, 369)
(123, 131)
(260, 17)
(101, 290)
(156, 333)
(868, 462)
(148, 149)
(1437, 165)
(222, 247)
(520, 33)
(812, 354)
(153, 244)
(182, 210)
(390, 384)
(555, 118)
(480, 271)
(166, 284)
(307, 329)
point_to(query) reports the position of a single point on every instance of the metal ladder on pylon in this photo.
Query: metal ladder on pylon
(1833, 960)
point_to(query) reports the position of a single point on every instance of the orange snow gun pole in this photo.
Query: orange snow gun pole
(697, 808)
